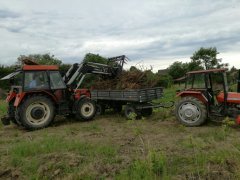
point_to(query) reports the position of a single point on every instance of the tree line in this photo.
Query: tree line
(204, 58)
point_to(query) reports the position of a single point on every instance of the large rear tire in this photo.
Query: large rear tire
(36, 112)
(190, 111)
(86, 109)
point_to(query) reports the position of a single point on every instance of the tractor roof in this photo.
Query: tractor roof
(208, 71)
(39, 67)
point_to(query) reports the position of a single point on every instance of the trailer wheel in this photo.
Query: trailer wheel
(100, 109)
(130, 111)
(36, 112)
(86, 109)
(190, 111)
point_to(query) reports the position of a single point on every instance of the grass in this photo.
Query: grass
(55, 149)
(154, 167)
(110, 147)
(3, 109)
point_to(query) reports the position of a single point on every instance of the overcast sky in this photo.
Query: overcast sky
(150, 32)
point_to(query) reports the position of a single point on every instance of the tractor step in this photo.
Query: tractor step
(63, 108)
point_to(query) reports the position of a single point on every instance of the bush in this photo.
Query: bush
(165, 81)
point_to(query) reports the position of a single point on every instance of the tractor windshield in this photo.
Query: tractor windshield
(36, 80)
(56, 81)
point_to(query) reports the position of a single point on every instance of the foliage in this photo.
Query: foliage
(232, 76)
(46, 59)
(153, 167)
(165, 81)
(94, 58)
(5, 70)
(64, 68)
(178, 69)
(203, 58)
(207, 57)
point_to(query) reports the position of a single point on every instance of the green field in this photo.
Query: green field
(110, 147)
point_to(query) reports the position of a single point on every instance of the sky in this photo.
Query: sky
(150, 32)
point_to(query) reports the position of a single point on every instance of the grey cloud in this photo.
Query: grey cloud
(8, 14)
(69, 29)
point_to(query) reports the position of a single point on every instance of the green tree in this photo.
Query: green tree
(165, 81)
(5, 70)
(194, 66)
(89, 57)
(45, 59)
(178, 69)
(207, 57)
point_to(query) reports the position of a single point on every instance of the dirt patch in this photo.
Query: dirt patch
(53, 165)
(10, 173)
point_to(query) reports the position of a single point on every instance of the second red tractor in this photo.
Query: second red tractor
(206, 94)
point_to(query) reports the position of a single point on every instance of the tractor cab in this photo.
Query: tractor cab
(34, 78)
(206, 85)
(206, 94)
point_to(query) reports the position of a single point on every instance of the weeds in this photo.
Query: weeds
(153, 167)
(28, 155)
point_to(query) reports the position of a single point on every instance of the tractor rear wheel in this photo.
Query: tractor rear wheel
(190, 111)
(36, 112)
(86, 109)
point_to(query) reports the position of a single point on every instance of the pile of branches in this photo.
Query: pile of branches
(132, 79)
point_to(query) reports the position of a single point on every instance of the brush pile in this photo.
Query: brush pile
(132, 79)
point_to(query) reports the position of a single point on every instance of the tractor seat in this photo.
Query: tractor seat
(232, 97)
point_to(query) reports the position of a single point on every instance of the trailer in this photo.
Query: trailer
(137, 101)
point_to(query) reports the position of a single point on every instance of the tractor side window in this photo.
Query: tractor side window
(36, 80)
(189, 82)
(218, 82)
(199, 81)
(56, 81)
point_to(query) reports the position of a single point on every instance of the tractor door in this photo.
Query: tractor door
(218, 85)
(57, 85)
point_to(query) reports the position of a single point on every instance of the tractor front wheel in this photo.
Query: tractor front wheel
(190, 111)
(86, 109)
(36, 112)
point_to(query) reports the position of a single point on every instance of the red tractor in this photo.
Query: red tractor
(38, 93)
(206, 95)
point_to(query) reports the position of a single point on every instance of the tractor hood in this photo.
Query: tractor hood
(10, 75)
(232, 97)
